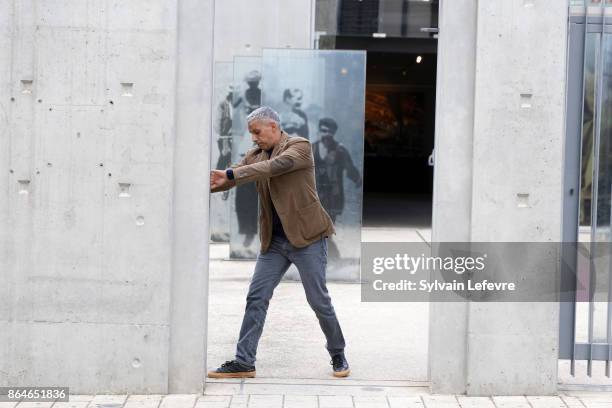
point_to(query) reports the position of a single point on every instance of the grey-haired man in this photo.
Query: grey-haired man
(293, 228)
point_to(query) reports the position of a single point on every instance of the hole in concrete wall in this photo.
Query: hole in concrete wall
(26, 86)
(526, 100)
(127, 88)
(124, 189)
(522, 200)
(24, 186)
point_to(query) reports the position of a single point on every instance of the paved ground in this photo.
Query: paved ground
(292, 344)
(416, 400)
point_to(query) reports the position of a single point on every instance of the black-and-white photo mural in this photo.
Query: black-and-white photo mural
(319, 95)
(221, 146)
(246, 97)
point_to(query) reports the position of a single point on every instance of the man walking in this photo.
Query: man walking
(293, 228)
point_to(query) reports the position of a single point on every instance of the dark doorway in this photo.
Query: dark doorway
(399, 130)
(399, 138)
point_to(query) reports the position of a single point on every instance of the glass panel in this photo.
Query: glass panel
(604, 160)
(389, 18)
(595, 7)
(583, 310)
(405, 18)
(244, 239)
(608, 11)
(320, 96)
(221, 147)
(603, 197)
(586, 180)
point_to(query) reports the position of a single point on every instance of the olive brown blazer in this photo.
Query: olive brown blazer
(287, 179)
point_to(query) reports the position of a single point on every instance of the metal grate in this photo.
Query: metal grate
(586, 323)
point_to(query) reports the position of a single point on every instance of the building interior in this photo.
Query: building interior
(401, 44)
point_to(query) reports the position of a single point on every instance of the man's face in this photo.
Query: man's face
(295, 99)
(326, 135)
(264, 133)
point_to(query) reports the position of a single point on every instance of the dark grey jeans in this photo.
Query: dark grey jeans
(311, 262)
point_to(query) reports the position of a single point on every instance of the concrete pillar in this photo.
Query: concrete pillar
(189, 313)
(518, 150)
(452, 201)
(104, 194)
(518, 95)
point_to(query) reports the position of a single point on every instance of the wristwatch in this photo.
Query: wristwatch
(230, 174)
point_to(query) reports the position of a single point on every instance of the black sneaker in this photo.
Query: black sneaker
(233, 369)
(341, 366)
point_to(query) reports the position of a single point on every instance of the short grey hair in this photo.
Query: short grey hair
(264, 113)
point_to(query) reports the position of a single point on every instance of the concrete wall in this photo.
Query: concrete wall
(246, 27)
(518, 96)
(452, 199)
(103, 213)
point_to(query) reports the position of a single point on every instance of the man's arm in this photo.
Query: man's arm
(218, 178)
(351, 171)
(297, 156)
(219, 181)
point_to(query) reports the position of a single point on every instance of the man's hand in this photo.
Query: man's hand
(219, 181)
